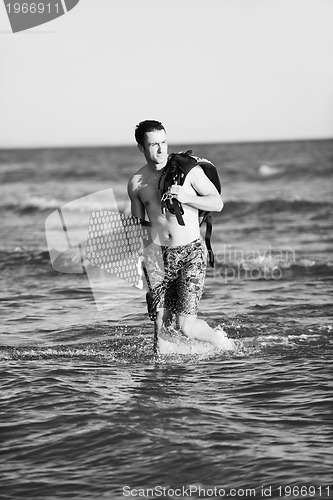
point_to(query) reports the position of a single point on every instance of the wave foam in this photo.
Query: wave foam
(172, 342)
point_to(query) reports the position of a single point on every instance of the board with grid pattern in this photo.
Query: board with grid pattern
(115, 243)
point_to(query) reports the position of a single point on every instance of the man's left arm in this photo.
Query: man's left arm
(209, 198)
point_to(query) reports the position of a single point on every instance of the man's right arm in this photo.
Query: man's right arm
(137, 207)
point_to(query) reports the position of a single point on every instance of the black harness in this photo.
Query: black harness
(175, 172)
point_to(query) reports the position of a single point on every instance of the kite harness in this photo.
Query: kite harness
(175, 172)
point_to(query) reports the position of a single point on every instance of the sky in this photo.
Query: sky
(210, 70)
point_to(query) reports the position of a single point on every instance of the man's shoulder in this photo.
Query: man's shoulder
(137, 176)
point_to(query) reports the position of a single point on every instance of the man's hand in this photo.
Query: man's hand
(208, 199)
(179, 193)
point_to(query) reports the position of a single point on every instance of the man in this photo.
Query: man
(177, 279)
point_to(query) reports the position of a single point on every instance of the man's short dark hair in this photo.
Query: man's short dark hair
(144, 127)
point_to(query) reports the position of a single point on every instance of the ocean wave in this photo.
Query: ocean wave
(273, 206)
(90, 202)
(292, 170)
(32, 205)
(136, 346)
(67, 262)
(22, 256)
(269, 171)
(35, 204)
(266, 264)
(274, 265)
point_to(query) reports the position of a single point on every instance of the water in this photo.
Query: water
(87, 411)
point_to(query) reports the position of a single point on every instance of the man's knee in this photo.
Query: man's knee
(186, 325)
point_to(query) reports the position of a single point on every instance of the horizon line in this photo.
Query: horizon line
(126, 145)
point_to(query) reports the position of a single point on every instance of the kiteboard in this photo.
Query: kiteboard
(115, 243)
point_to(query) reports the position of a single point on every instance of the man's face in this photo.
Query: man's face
(156, 147)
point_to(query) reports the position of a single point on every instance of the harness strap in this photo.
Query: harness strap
(177, 207)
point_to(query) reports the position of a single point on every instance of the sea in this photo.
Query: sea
(88, 411)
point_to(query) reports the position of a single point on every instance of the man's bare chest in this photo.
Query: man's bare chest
(149, 192)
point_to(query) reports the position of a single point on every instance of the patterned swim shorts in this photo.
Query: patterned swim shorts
(176, 277)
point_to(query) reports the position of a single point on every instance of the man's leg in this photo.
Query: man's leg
(189, 290)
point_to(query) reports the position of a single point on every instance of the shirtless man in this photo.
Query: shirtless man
(179, 286)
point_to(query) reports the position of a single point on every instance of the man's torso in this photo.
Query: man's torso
(165, 227)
